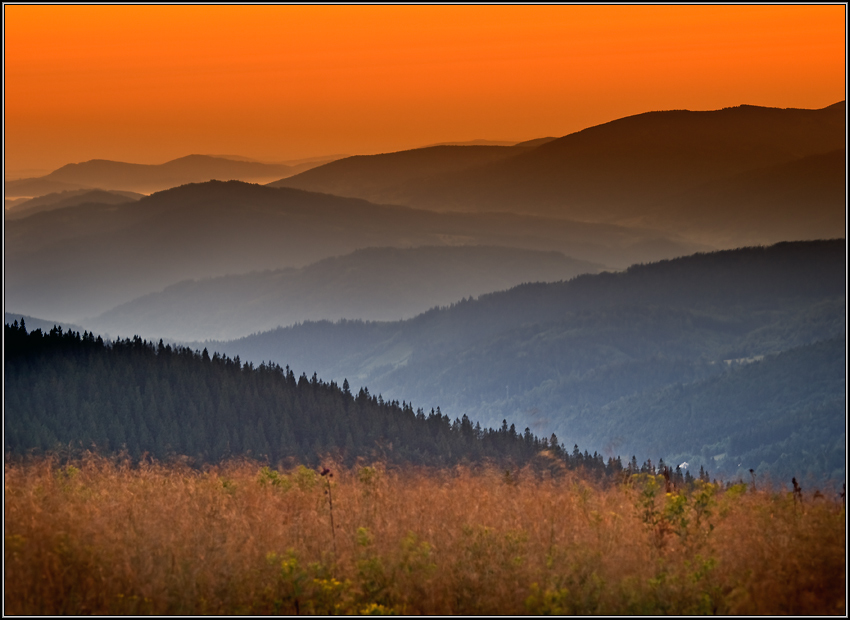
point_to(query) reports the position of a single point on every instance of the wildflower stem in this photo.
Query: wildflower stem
(328, 475)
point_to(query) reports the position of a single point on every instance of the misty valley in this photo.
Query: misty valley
(637, 327)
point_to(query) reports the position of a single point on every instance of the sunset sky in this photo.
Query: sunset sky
(151, 83)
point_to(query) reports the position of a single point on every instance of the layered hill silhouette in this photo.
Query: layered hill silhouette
(38, 186)
(79, 262)
(10, 203)
(71, 198)
(525, 143)
(378, 284)
(792, 200)
(387, 178)
(646, 168)
(569, 357)
(148, 178)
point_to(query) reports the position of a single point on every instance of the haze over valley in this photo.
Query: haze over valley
(602, 359)
(435, 310)
(147, 178)
(386, 270)
(79, 262)
(375, 284)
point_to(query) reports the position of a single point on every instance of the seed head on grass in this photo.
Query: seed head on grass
(327, 472)
(798, 492)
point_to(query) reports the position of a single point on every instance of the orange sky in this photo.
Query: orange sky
(148, 84)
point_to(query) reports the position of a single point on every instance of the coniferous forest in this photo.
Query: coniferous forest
(407, 513)
(66, 391)
(425, 310)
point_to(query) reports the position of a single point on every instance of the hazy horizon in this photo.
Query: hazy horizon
(304, 82)
(555, 178)
(16, 174)
(604, 245)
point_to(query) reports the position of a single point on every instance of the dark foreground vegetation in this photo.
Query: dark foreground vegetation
(66, 391)
(104, 536)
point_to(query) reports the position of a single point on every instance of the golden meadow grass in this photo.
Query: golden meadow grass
(106, 537)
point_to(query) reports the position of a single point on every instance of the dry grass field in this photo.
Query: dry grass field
(103, 536)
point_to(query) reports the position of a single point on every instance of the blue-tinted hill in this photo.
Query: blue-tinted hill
(560, 357)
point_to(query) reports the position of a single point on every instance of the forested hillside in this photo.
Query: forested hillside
(64, 391)
(560, 357)
(783, 415)
(33, 323)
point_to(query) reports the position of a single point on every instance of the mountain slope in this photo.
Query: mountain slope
(554, 356)
(73, 198)
(384, 178)
(616, 172)
(81, 261)
(148, 178)
(38, 186)
(61, 389)
(783, 415)
(372, 284)
(798, 200)
(32, 323)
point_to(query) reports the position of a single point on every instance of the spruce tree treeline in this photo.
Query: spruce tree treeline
(63, 388)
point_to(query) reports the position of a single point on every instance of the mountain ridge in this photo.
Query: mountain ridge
(369, 284)
(69, 198)
(106, 174)
(553, 356)
(80, 261)
(614, 172)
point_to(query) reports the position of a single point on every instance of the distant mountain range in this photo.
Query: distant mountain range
(526, 143)
(147, 178)
(799, 199)
(385, 178)
(70, 198)
(621, 329)
(378, 284)
(725, 178)
(657, 169)
(10, 203)
(81, 261)
(645, 361)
